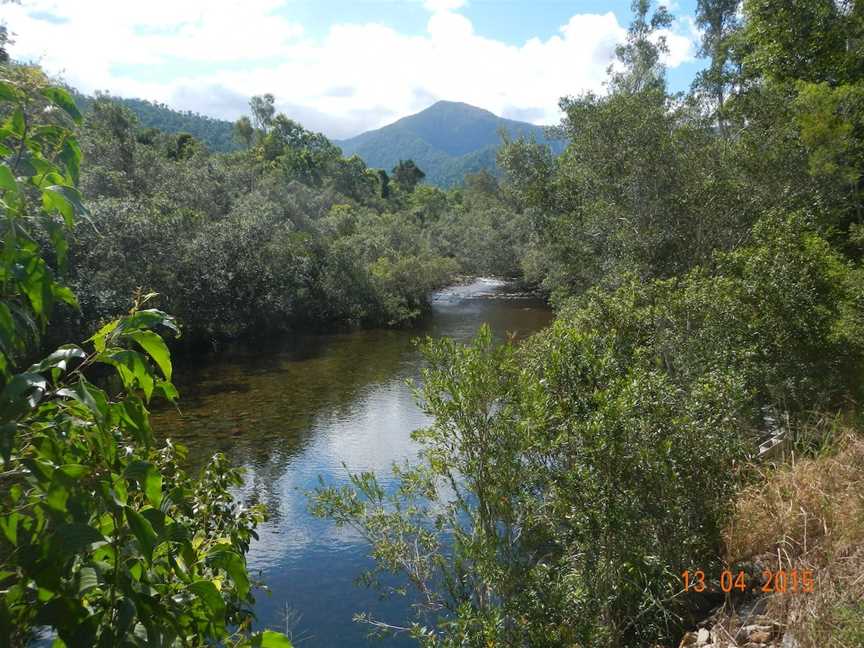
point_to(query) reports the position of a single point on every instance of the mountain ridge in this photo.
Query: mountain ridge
(446, 140)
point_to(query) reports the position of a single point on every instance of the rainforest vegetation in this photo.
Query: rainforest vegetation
(703, 252)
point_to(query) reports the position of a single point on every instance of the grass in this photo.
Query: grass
(808, 513)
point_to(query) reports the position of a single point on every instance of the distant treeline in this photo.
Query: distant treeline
(215, 133)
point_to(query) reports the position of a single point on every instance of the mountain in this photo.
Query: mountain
(215, 133)
(447, 140)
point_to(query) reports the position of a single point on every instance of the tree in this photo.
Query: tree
(808, 40)
(263, 109)
(640, 53)
(104, 539)
(407, 175)
(244, 132)
(719, 21)
(4, 43)
(383, 183)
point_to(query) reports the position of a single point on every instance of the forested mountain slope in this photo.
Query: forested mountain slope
(215, 133)
(447, 140)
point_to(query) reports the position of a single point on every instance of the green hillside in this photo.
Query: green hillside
(447, 140)
(215, 133)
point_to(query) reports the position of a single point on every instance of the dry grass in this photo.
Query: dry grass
(809, 514)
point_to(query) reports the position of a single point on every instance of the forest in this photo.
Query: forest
(702, 252)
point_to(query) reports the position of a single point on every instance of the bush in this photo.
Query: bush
(104, 540)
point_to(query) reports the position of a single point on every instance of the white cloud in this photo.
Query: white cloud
(210, 55)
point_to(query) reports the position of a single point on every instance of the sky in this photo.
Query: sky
(339, 66)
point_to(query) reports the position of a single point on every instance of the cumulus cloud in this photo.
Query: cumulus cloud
(211, 55)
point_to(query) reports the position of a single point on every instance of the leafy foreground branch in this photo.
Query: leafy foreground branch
(104, 540)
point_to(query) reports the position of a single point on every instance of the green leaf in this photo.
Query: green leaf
(149, 319)
(210, 596)
(90, 396)
(7, 180)
(155, 346)
(100, 338)
(233, 564)
(7, 439)
(137, 418)
(143, 532)
(88, 579)
(271, 639)
(57, 497)
(74, 471)
(8, 92)
(15, 123)
(59, 359)
(133, 370)
(149, 478)
(65, 200)
(21, 394)
(77, 536)
(70, 155)
(63, 100)
(9, 527)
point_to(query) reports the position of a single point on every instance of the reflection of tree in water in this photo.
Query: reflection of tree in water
(259, 409)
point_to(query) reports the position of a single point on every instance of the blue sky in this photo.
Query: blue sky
(339, 66)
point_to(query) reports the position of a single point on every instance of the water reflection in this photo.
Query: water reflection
(305, 407)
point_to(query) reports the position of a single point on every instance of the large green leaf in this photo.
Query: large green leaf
(143, 532)
(8, 92)
(149, 478)
(7, 180)
(155, 346)
(210, 596)
(133, 370)
(9, 527)
(63, 100)
(59, 359)
(232, 563)
(149, 319)
(271, 639)
(88, 579)
(77, 536)
(65, 200)
(21, 394)
(88, 395)
(70, 155)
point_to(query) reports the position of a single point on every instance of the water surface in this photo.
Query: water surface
(296, 409)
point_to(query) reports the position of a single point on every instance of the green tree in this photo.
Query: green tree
(407, 175)
(640, 53)
(244, 132)
(263, 109)
(105, 540)
(720, 23)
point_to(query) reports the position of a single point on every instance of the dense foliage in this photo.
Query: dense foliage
(216, 134)
(705, 254)
(104, 540)
(285, 234)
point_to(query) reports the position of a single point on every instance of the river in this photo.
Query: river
(294, 410)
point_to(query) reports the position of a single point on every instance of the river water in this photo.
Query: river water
(291, 411)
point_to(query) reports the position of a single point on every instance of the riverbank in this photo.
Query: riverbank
(799, 533)
(298, 408)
